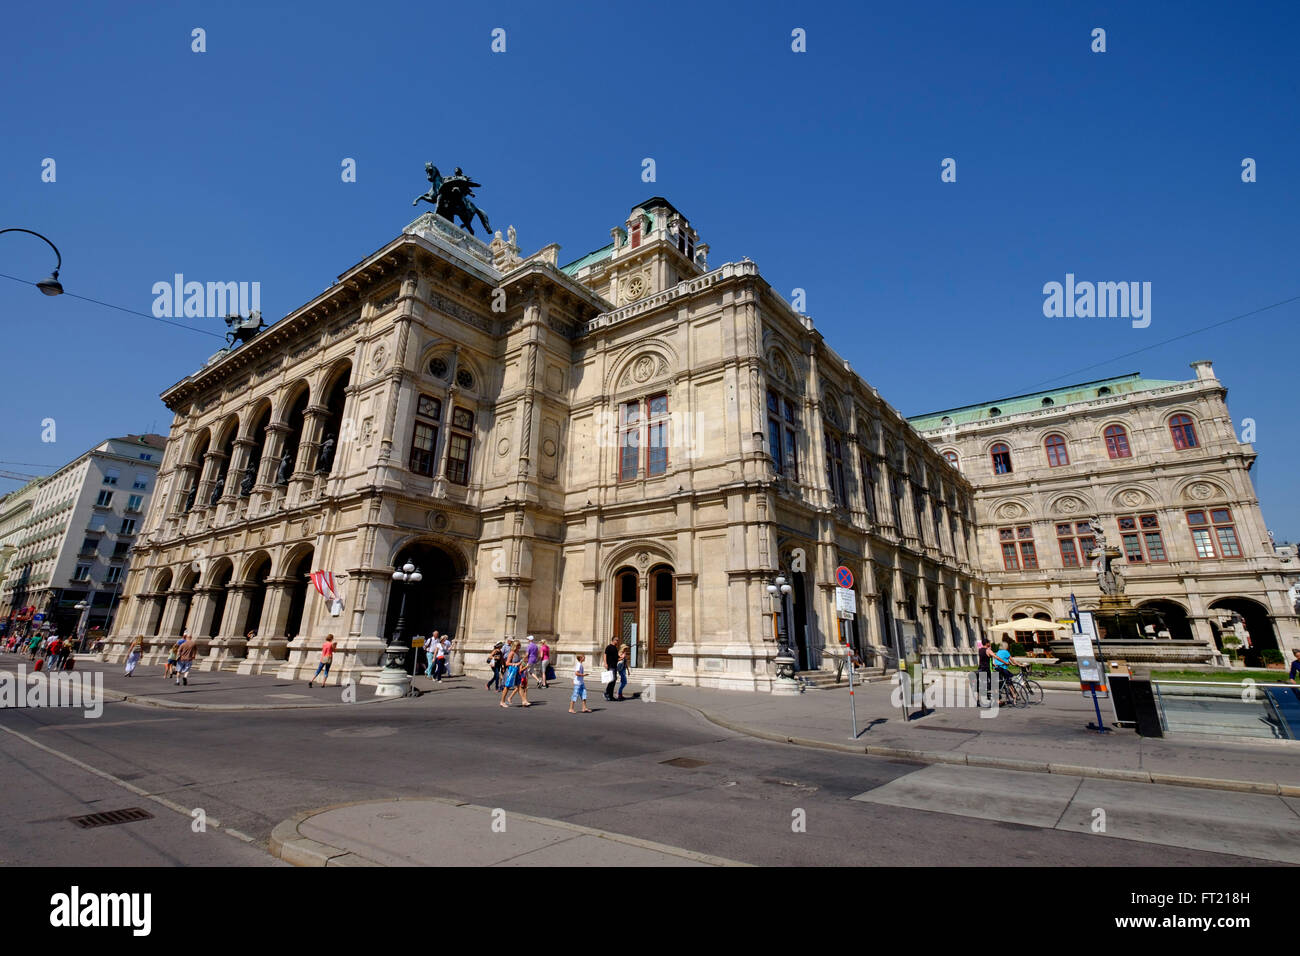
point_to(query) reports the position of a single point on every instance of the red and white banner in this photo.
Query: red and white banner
(323, 581)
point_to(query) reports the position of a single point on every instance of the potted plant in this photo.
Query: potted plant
(1273, 659)
(1232, 646)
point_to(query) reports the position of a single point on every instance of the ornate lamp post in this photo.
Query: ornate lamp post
(779, 590)
(84, 608)
(393, 680)
(49, 285)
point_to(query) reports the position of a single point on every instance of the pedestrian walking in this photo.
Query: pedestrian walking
(533, 654)
(439, 657)
(510, 667)
(579, 685)
(185, 655)
(984, 670)
(548, 672)
(624, 667)
(611, 667)
(326, 659)
(495, 662)
(133, 654)
(516, 681)
(170, 669)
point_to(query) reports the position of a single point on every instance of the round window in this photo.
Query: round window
(464, 379)
(438, 368)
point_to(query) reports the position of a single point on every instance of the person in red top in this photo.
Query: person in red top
(326, 659)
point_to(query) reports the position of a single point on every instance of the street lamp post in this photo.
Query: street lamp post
(785, 684)
(393, 680)
(49, 285)
(84, 607)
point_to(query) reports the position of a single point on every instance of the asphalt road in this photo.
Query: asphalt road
(740, 798)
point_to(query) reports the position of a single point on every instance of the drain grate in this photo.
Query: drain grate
(112, 818)
(685, 762)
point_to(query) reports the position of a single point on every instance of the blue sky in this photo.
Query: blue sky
(822, 166)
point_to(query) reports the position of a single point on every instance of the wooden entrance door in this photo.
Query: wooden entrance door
(663, 616)
(626, 605)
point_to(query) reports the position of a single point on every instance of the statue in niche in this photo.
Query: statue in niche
(249, 479)
(218, 489)
(286, 468)
(325, 460)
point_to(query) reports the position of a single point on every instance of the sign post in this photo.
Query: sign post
(846, 606)
(1091, 676)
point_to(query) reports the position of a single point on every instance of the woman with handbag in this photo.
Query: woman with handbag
(624, 664)
(516, 678)
(133, 654)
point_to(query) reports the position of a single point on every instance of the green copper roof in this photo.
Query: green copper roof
(604, 252)
(1014, 405)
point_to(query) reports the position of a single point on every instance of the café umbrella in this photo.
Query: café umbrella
(1030, 624)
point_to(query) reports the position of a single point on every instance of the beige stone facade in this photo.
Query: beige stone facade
(1157, 467)
(634, 444)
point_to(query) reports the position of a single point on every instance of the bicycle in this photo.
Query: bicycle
(1032, 689)
(1011, 694)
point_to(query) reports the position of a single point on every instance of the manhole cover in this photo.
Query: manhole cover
(685, 762)
(112, 818)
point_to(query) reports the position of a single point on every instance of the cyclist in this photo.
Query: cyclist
(1002, 661)
(983, 675)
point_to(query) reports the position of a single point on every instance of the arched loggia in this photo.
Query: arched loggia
(434, 603)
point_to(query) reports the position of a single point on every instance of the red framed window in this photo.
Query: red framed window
(1001, 456)
(634, 234)
(1217, 527)
(1056, 451)
(629, 441)
(951, 458)
(424, 440)
(1018, 548)
(1117, 442)
(1075, 541)
(643, 424)
(1184, 432)
(1140, 535)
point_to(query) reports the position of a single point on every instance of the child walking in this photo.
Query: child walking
(579, 686)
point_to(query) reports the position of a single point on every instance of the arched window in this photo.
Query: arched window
(1117, 442)
(1001, 459)
(1104, 390)
(1056, 451)
(1047, 401)
(951, 458)
(1184, 432)
(994, 412)
(782, 434)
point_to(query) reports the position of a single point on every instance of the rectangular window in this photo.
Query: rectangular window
(657, 435)
(869, 486)
(128, 526)
(114, 574)
(774, 445)
(141, 483)
(1018, 540)
(1141, 537)
(781, 426)
(104, 500)
(111, 475)
(458, 449)
(835, 470)
(1217, 527)
(82, 573)
(134, 502)
(121, 548)
(1228, 542)
(1069, 556)
(629, 441)
(1204, 546)
(144, 456)
(423, 444)
(89, 546)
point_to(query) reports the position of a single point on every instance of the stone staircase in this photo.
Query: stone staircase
(825, 680)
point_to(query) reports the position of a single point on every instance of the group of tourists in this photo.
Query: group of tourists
(437, 651)
(513, 663)
(991, 661)
(49, 651)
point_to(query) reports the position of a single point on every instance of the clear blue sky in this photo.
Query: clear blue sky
(822, 166)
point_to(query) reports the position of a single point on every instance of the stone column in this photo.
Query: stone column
(269, 650)
(201, 616)
(229, 643)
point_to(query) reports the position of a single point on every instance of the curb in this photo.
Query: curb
(1266, 787)
(121, 698)
(288, 844)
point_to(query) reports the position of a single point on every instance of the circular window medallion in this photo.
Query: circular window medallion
(439, 521)
(635, 288)
(438, 368)
(643, 369)
(378, 357)
(464, 379)
(548, 448)
(503, 447)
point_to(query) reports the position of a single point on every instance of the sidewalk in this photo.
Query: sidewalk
(213, 690)
(1051, 737)
(437, 832)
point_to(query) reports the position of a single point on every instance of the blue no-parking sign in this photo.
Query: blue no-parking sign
(843, 577)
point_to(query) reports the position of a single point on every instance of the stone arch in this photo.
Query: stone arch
(1200, 489)
(226, 432)
(1256, 620)
(250, 564)
(1070, 504)
(1131, 496)
(1014, 508)
(655, 552)
(630, 371)
(163, 579)
(287, 397)
(458, 556)
(1168, 615)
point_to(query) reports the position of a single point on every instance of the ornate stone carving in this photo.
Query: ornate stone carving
(643, 368)
(503, 447)
(378, 357)
(643, 559)
(548, 448)
(1068, 506)
(1011, 510)
(1202, 491)
(438, 521)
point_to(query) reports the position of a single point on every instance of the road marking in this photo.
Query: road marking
(291, 696)
(1239, 824)
(96, 724)
(186, 812)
